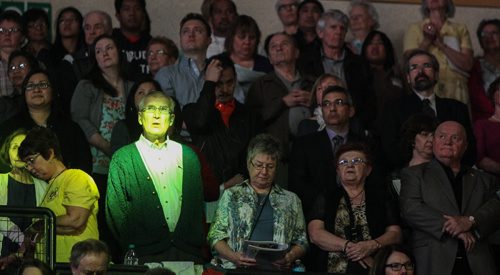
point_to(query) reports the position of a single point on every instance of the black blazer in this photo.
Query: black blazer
(399, 110)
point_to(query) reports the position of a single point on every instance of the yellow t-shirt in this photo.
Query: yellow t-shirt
(72, 188)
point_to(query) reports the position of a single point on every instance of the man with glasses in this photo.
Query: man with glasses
(287, 11)
(422, 72)
(451, 208)
(155, 194)
(11, 37)
(161, 52)
(312, 164)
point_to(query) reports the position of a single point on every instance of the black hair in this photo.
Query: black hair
(383, 254)
(33, 15)
(119, 3)
(86, 247)
(58, 49)
(355, 146)
(55, 105)
(390, 59)
(316, 2)
(40, 140)
(411, 127)
(417, 52)
(10, 15)
(32, 61)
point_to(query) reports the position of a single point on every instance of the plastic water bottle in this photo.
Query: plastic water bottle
(131, 256)
(298, 266)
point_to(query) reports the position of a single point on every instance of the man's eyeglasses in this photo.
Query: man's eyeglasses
(156, 53)
(260, 166)
(29, 161)
(355, 162)
(9, 30)
(289, 6)
(164, 110)
(337, 103)
(19, 67)
(399, 266)
(39, 85)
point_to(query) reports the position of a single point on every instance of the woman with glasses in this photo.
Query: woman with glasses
(40, 107)
(17, 188)
(393, 260)
(72, 194)
(258, 210)
(351, 222)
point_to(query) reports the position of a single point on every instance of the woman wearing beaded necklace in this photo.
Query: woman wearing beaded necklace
(72, 194)
(350, 222)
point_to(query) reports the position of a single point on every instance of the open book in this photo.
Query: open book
(265, 253)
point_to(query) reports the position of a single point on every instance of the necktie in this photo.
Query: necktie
(336, 142)
(427, 109)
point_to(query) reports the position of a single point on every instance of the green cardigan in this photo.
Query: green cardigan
(134, 213)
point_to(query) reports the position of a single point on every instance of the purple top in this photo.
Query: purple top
(487, 134)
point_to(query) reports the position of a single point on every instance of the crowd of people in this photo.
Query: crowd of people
(322, 142)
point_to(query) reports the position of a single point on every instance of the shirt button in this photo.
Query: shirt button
(154, 193)
(157, 207)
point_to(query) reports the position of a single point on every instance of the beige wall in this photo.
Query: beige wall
(166, 14)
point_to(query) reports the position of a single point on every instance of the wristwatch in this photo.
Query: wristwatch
(472, 220)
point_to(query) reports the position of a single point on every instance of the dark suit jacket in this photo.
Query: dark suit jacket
(312, 168)
(427, 194)
(399, 110)
(358, 78)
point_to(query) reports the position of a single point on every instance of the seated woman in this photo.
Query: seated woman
(393, 259)
(17, 188)
(258, 210)
(350, 223)
(241, 45)
(72, 194)
(315, 122)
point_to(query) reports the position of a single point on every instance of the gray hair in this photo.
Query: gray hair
(336, 15)
(87, 247)
(278, 4)
(158, 94)
(370, 8)
(450, 9)
(107, 22)
(264, 144)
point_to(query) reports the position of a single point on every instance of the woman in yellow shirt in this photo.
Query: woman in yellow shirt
(72, 194)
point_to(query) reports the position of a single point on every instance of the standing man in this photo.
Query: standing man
(451, 209)
(334, 57)
(309, 12)
(133, 35)
(222, 15)
(155, 194)
(422, 72)
(287, 11)
(312, 157)
(11, 37)
(184, 80)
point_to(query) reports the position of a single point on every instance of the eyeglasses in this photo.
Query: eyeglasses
(30, 160)
(398, 266)
(17, 68)
(355, 162)
(9, 30)
(158, 52)
(287, 7)
(164, 110)
(37, 25)
(489, 34)
(40, 85)
(260, 166)
(337, 103)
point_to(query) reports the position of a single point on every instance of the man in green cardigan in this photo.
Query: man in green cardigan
(155, 192)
